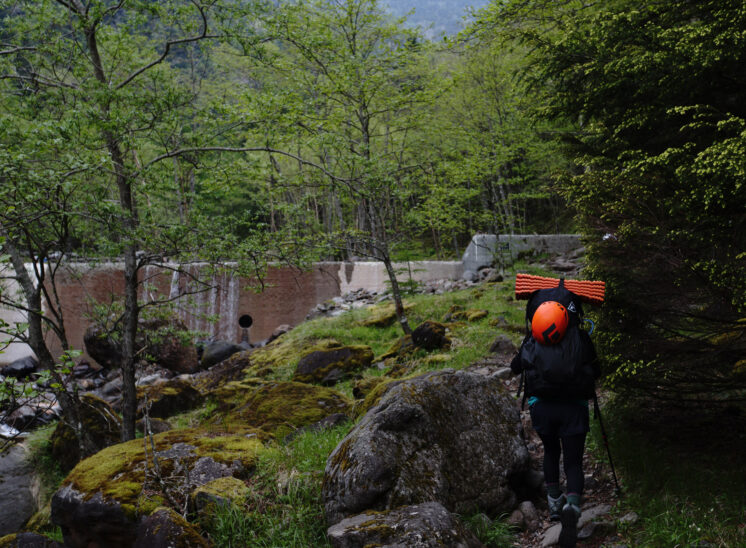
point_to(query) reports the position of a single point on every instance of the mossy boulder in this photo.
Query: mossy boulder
(105, 495)
(364, 386)
(277, 407)
(160, 340)
(426, 525)
(401, 348)
(164, 528)
(332, 362)
(28, 540)
(383, 316)
(226, 371)
(448, 436)
(220, 492)
(431, 335)
(168, 398)
(279, 358)
(101, 422)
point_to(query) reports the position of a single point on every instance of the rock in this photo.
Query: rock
(383, 316)
(503, 345)
(216, 351)
(278, 407)
(597, 529)
(476, 315)
(629, 518)
(91, 522)
(20, 368)
(18, 502)
(470, 276)
(112, 389)
(551, 536)
(593, 513)
(100, 421)
(517, 520)
(28, 540)
(327, 422)
(219, 492)
(171, 352)
(332, 363)
(402, 347)
(102, 347)
(168, 398)
(156, 425)
(278, 332)
(530, 515)
(157, 339)
(431, 336)
(446, 436)
(103, 499)
(363, 387)
(427, 525)
(164, 528)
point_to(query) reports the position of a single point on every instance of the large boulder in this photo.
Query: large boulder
(106, 495)
(18, 502)
(164, 528)
(20, 368)
(168, 398)
(28, 540)
(426, 525)
(160, 341)
(99, 420)
(277, 407)
(430, 335)
(215, 352)
(448, 436)
(332, 362)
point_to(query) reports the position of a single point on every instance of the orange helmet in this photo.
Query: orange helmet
(549, 323)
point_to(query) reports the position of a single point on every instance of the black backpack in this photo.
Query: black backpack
(567, 369)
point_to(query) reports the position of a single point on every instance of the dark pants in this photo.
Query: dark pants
(562, 427)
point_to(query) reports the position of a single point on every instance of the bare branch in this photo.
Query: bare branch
(295, 157)
(203, 35)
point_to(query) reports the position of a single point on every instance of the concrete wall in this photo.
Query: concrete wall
(287, 297)
(9, 288)
(486, 249)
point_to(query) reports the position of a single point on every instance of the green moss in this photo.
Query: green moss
(401, 347)
(8, 541)
(219, 491)
(118, 472)
(40, 521)
(345, 359)
(383, 315)
(475, 315)
(282, 355)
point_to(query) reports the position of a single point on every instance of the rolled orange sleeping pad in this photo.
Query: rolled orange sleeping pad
(589, 291)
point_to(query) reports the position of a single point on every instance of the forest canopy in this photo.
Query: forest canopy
(330, 129)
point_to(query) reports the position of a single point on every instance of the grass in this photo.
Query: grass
(682, 473)
(686, 490)
(45, 465)
(284, 507)
(492, 533)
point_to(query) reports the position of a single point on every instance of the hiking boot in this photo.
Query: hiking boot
(569, 519)
(555, 506)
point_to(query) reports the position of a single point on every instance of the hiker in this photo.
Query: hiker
(559, 367)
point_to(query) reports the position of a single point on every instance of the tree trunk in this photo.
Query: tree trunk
(396, 294)
(69, 403)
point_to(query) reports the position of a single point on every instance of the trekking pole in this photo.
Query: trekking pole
(597, 412)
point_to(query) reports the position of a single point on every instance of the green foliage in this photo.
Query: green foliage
(686, 487)
(284, 505)
(46, 466)
(658, 184)
(493, 533)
